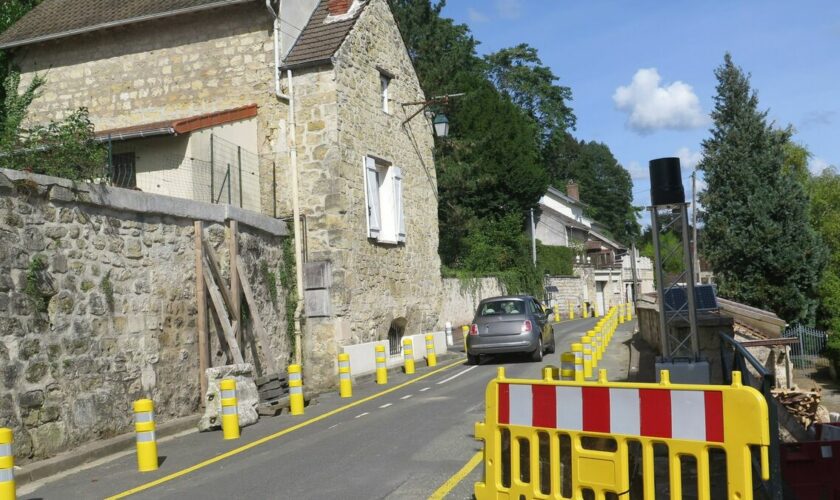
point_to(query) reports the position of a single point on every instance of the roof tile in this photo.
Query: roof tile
(319, 39)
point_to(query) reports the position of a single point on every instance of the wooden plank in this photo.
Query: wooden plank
(201, 306)
(213, 264)
(769, 342)
(227, 328)
(235, 295)
(259, 330)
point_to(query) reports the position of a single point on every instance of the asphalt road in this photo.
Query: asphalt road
(401, 441)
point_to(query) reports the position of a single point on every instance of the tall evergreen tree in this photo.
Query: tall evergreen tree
(757, 236)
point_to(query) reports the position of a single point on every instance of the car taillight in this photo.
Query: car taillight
(526, 326)
(474, 329)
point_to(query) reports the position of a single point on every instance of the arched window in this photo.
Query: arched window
(395, 335)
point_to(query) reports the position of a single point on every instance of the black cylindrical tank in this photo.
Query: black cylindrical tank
(666, 187)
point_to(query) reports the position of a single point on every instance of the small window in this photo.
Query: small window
(384, 83)
(384, 200)
(123, 170)
(502, 308)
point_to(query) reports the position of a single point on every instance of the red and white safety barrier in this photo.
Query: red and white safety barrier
(663, 413)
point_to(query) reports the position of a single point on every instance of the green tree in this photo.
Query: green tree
(757, 235)
(518, 73)
(825, 215)
(670, 245)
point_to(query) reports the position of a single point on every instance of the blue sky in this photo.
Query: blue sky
(641, 72)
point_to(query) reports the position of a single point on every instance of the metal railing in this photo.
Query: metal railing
(734, 357)
(808, 353)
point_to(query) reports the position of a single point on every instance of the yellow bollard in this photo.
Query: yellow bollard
(381, 368)
(597, 310)
(431, 357)
(577, 352)
(7, 465)
(556, 313)
(144, 425)
(567, 366)
(345, 383)
(465, 332)
(587, 357)
(629, 311)
(585, 311)
(230, 409)
(571, 311)
(295, 390)
(597, 346)
(408, 355)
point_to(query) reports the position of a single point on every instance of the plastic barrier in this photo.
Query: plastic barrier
(568, 440)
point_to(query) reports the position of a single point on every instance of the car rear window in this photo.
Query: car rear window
(502, 308)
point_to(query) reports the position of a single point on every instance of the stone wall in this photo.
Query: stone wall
(164, 69)
(373, 284)
(111, 316)
(461, 297)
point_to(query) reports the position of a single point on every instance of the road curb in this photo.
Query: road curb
(43, 469)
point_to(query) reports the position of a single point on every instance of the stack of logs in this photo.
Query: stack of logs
(803, 405)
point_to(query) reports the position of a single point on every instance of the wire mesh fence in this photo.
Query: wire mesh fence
(209, 169)
(808, 353)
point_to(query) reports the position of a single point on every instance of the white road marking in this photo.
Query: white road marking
(386, 405)
(457, 375)
(406, 396)
(425, 389)
(361, 415)
(332, 427)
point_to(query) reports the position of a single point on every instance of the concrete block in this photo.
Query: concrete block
(61, 193)
(247, 397)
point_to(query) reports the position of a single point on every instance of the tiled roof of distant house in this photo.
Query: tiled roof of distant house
(321, 36)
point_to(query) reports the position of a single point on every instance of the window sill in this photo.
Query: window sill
(388, 242)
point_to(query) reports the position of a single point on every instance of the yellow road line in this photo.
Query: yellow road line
(276, 435)
(459, 476)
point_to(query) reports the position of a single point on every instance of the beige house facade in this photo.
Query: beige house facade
(224, 101)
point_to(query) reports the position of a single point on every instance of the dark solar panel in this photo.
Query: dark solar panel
(551, 289)
(704, 298)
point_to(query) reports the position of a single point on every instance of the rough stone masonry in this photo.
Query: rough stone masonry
(98, 306)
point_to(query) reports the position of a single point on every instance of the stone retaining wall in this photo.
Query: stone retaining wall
(461, 297)
(110, 316)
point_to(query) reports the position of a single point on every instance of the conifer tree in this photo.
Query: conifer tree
(757, 235)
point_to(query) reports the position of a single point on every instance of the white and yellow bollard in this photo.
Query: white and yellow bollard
(587, 357)
(381, 366)
(567, 366)
(408, 355)
(465, 332)
(431, 357)
(7, 465)
(577, 352)
(144, 426)
(295, 390)
(556, 313)
(571, 311)
(345, 383)
(230, 409)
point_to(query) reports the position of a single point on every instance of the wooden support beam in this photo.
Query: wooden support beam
(259, 331)
(201, 306)
(235, 295)
(221, 313)
(215, 269)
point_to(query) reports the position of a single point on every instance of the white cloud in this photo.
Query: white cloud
(476, 16)
(817, 165)
(509, 9)
(651, 106)
(638, 171)
(689, 159)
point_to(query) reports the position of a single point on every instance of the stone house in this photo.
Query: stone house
(291, 108)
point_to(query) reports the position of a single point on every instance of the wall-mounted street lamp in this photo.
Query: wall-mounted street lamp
(440, 122)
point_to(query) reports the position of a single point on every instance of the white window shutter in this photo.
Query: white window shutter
(372, 198)
(398, 204)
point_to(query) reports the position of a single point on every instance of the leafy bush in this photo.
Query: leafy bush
(556, 261)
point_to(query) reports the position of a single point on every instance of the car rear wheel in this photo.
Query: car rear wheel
(537, 355)
(472, 359)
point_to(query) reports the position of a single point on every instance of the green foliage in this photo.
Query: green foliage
(757, 233)
(289, 283)
(825, 216)
(671, 245)
(270, 281)
(33, 277)
(10, 12)
(555, 261)
(108, 289)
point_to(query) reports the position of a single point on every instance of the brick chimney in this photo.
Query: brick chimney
(339, 7)
(572, 190)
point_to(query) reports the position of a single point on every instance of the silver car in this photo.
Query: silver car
(516, 323)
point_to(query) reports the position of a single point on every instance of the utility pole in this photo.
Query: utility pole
(633, 270)
(533, 240)
(694, 256)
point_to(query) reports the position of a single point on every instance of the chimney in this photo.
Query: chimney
(572, 190)
(339, 7)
